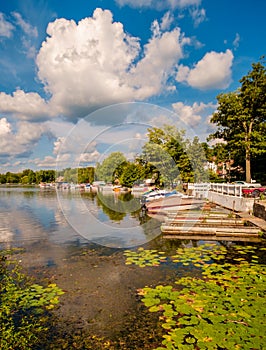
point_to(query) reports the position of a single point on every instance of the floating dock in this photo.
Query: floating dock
(213, 225)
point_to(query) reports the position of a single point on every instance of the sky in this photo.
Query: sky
(81, 79)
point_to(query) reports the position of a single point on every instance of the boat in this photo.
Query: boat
(174, 201)
(95, 186)
(156, 194)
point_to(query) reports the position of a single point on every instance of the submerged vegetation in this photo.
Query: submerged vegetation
(222, 309)
(25, 307)
(218, 302)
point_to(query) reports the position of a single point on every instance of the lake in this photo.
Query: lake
(77, 240)
(29, 216)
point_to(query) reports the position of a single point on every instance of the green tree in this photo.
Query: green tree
(132, 172)
(86, 175)
(174, 156)
(198, 160)
(71, 175)
(241, 117)
(111, 168)
(45, 176)
(12, 178)
(3, 178)
(164, 168)
(28, 176)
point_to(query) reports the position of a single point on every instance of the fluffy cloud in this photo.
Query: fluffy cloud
(191, 115)
(212, 72)
(6, 28)
(91, 63)
(94, 63)
(91, 157)
(26, 106)
(161, 55)
(5, 127)
(19, 142)
(47, 162)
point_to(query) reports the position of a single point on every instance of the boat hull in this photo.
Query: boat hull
(173, 203)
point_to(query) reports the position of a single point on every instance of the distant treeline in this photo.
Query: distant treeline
(28, 176)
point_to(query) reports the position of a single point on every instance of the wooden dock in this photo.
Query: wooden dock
(213, 225)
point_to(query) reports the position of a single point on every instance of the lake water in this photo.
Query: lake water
(75, 240)
(29, 216)
(49, 226)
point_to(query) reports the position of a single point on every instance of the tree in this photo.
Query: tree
(198, 161)
(111, 167)
(86, 175)
(176, 157)
(45, 176)
(131, 173)
(241, 117)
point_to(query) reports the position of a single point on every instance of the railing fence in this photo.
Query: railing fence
(201, 189)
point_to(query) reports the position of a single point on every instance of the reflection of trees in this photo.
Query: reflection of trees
(117, 207)
(88, 195)
(29, 194)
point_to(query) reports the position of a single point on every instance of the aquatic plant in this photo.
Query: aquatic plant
(144, 257)
(224, 309)
(24, 308)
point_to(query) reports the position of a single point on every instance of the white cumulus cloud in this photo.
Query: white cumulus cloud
(26, 106)
(5, 127)
(213, 71)
(19, 141)
(192, 115)
(95, 63)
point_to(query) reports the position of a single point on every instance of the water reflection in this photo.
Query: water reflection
(31, 215)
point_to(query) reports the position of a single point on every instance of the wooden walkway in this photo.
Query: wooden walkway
(213, 225)
(254, 220)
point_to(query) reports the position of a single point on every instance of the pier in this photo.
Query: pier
(217, 226)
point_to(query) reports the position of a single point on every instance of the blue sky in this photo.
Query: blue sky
(79, 79)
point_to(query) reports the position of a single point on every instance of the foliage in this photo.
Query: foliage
(132, 172)
(197, 159)
(85, 175)
(111, 168)
(28, 176)
(144, 257)
(245, 109)
(175, 157)
(45, 176)
(223, 309)
(24, 307)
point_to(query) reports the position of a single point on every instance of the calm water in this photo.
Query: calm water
(47, 221)
(94, 276)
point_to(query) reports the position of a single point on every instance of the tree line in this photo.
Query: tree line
(238, 151)
(29, 177)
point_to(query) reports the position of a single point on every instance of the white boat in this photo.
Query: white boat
(157, 194)
(175, 201)
(96, 185)
(87, 187)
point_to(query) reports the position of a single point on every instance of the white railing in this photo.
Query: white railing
(229, 189)
(202, 189)
(199, 189)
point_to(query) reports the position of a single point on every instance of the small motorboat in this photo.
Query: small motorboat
(161, 201)
(156, 194)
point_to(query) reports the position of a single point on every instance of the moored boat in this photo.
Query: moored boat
(156, 194)
(175, 201)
